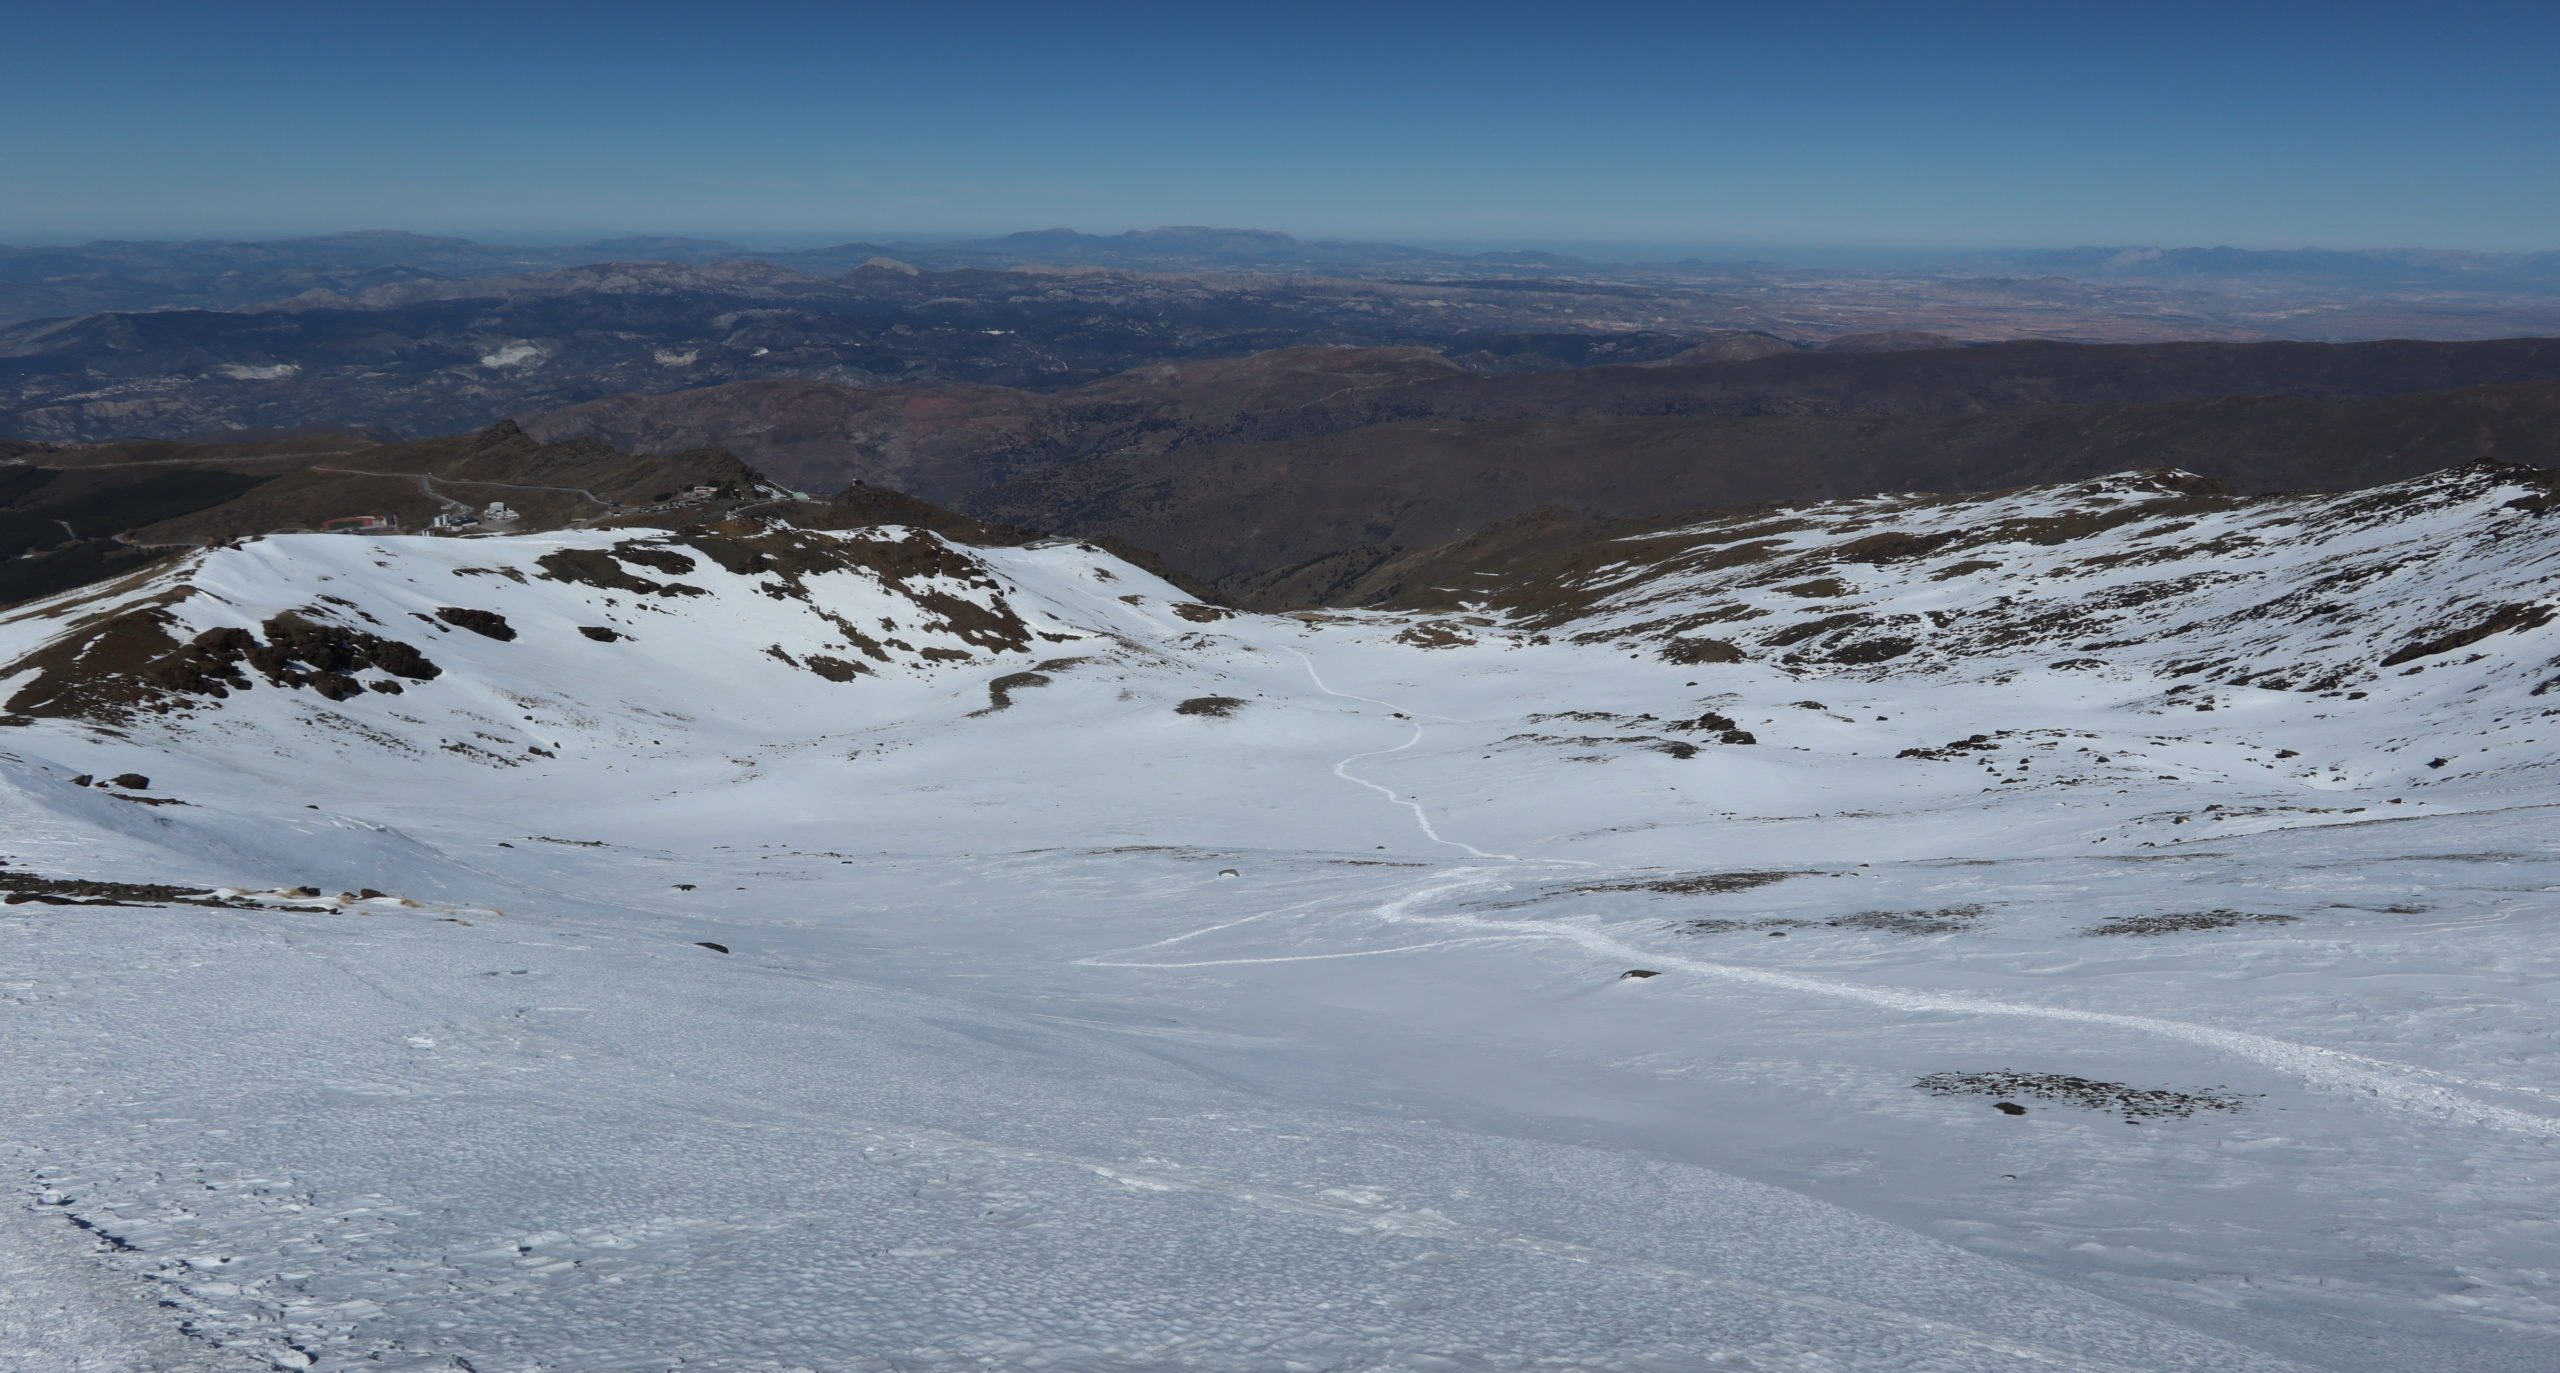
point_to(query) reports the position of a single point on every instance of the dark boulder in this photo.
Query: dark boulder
(488, 624)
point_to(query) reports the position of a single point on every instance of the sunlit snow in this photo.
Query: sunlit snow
(996, 1069)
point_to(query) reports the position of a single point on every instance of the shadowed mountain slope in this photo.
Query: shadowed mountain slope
(1288, 477)
(75, 515)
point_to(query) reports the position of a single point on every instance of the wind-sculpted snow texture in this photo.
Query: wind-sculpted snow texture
(733, 964)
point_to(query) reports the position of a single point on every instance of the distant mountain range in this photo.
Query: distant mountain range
(2376, 269)
(126, 275)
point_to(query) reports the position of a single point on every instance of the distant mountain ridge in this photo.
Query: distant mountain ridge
(52, 281)
(2536, 272)
(123, 275)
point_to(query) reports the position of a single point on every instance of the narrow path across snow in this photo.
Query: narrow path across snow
(2397, 1085)
(1421, 817)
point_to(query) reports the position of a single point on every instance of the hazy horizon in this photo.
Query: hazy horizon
(1875, 128)
(1802, 252)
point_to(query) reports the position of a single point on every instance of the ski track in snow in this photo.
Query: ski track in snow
(1420, 816)
(2394, 1084)
(2397, 1085)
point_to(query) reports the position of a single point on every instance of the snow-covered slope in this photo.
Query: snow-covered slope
(2161, 573)
(758, 948)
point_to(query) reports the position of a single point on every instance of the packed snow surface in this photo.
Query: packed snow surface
(938, 958)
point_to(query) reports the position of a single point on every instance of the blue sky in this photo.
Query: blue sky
(1918, 125)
